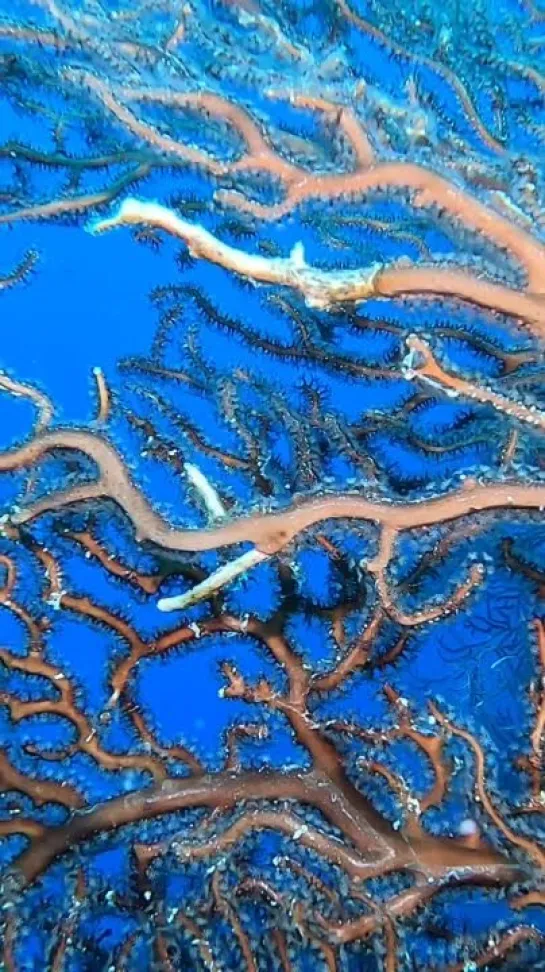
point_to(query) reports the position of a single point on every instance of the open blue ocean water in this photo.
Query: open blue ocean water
(272, 481)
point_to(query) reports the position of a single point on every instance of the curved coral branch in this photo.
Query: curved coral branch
(532, 848)
(270, 532)
(149, 109)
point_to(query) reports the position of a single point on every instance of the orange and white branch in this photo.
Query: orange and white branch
(319, 288)
(420, 363)
(324, 289)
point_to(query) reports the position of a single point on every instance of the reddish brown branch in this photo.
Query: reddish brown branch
(496, 952)
(528, 900)
(401, 906)
(353, 660)
(22, 825)
(229, 913)
(148, 583)
(198, 939)
(176, 752)
(237, 733)
(379, 849)
(532, 849)
(35, 629)
(66, 708)
(312, 880)
(41, 791)
(282, 822)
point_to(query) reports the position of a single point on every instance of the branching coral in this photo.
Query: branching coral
(355, 465)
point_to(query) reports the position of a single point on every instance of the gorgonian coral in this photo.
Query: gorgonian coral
(272, 675)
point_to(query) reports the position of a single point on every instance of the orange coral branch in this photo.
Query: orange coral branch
(260, 155)
(65, 707)
(34, 628)
(421, 364)
(429, 191)
(270, 532)
(282, 822)
(430, 745)
(344, 117)
(400, 906)
(354, 659)
(149, 583)
(104, 400)
(44, 404)
(436, 66)
(378, 566)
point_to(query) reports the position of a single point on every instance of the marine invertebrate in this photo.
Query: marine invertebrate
(327, 472)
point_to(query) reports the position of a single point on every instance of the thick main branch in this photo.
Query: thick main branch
(269, 531)
(379, 849)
